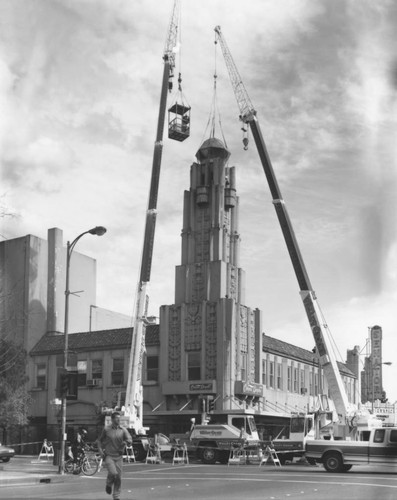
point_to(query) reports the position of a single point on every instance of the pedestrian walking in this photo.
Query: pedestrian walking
(111, 446)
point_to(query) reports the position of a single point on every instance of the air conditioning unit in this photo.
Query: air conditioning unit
(91, 383)
(303, 390)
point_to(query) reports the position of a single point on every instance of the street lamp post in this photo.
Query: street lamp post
(99, 231)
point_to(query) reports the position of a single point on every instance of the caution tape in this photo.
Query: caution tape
(218, 446)
(26, 444)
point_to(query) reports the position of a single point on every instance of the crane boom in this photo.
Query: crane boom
(134, 396)
(319, 328)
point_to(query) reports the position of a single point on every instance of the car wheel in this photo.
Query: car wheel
(6, 459)
(209, 456)
(139, 453)
(346, 468)
(333, 462)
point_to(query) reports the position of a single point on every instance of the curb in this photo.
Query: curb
(26, 480)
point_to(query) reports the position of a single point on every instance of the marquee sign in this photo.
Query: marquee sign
(376, 361)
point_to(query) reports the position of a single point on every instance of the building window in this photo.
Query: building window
(279, 376)
(152, 368)
(118, 371)
(41, 375)
(194, 365)
(302, 384)
(296, 379)
(289, 378)
(264, 371)
(82, 372)
(96, 370)
(311, 379)
(243, 367)
(315, 384)
(271, 374)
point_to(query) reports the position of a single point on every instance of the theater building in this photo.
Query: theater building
(209, 352)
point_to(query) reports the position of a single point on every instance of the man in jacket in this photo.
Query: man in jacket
(111, 446)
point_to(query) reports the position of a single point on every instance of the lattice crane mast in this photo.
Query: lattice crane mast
(134, 393)
(248, 116)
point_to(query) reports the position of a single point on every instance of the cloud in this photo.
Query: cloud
(79, 95)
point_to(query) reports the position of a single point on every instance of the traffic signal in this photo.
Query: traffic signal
(72, 386)
(64, 383)
(68, 385)
(211, 404)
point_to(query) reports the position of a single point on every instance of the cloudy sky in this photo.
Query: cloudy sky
(79, 94)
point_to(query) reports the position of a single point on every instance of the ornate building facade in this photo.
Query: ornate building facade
(211, 340)
(209, 353)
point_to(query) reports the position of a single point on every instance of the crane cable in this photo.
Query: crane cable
(178, 49)
(333, 344)
(214, 109)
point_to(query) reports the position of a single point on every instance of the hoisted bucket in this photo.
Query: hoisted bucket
(179, 122)
(179, 117)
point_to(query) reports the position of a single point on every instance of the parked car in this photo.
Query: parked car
(6, 453)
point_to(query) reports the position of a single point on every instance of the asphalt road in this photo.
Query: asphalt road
(147, 482)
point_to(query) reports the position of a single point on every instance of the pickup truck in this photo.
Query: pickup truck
(340, 456)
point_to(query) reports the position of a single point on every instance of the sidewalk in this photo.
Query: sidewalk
(25, 470)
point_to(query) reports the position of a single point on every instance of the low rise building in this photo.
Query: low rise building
(290, 380)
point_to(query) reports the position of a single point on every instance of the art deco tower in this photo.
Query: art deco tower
(210, 340)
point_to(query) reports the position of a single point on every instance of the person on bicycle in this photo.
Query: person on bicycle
(78, 444)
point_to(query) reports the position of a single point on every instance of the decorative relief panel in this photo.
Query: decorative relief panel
(210, 342)
(226, 235)
(236, 352)
(193, 322)
(252, 345)
(198, 283)
(243, 329)
(174, 344)
(233, 282)
(226, 221)
(202, 234)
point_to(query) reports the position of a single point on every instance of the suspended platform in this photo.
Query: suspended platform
(179, 122)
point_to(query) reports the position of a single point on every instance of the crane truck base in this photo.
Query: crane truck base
(213, 441)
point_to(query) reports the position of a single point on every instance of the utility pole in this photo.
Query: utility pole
(99, 231)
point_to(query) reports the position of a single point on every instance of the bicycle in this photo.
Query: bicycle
(99, 460)
(87, 464)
